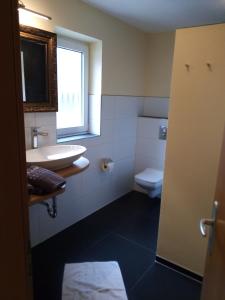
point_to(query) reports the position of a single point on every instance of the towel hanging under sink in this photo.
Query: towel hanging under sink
(42, 181)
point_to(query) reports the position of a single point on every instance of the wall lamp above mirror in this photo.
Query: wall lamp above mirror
(21, 6)
(38, 69)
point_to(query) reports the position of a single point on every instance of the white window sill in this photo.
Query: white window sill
(76, 137)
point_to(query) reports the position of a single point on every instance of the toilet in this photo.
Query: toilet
(150, 180)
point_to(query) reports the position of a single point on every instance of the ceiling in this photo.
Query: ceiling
(163, 15)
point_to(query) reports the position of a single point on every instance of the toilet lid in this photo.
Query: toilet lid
(150, 176)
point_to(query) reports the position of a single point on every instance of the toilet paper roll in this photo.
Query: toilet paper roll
(107, 165)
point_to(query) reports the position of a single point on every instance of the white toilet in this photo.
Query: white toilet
(150, 180)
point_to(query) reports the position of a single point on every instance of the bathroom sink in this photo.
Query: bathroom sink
(54, 157)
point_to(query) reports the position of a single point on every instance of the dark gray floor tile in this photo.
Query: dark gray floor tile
(161, 283)
(141, 225)
(133, 259)
(124, 231)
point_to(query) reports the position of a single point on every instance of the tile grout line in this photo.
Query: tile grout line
(98, 241)
(141, 277)
(122, 237)
(135, 243)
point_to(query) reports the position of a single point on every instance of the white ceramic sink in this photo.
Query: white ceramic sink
(54, 157)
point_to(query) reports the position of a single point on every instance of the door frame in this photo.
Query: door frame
(14, 232)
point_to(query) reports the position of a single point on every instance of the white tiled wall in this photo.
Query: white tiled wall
(88, 191)
(150, 150)
(94, 113)
(92, 189)
(46, 121)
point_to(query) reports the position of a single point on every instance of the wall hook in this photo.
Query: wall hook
(209, 66)
(187, 67)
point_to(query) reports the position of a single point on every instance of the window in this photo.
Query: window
(72, 70)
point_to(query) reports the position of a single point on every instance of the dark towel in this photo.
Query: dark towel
(43, 180)
(34, 190)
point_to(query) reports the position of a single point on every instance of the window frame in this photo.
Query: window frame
(82, 47)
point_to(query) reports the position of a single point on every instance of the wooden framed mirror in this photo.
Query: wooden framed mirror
(38, 69)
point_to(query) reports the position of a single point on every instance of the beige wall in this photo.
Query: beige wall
(196, 122)
(160, 48)
(95, 68)
(124, 47)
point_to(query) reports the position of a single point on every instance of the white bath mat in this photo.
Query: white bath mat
(93, 281)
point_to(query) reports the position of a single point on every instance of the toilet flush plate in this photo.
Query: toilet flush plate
(162, 132)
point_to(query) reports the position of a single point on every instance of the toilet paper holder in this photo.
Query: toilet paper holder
(107, 165)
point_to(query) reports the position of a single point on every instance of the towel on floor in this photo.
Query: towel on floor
(43, 181)
(93, 281)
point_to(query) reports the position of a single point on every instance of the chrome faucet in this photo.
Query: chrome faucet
(34, 134)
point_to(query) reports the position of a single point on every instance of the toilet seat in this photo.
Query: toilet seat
(150, 178)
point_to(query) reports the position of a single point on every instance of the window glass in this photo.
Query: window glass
(72, 89)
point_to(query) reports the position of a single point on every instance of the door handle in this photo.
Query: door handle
(209, 222)
(203, 224)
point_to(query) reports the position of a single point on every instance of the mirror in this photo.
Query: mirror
(38, 69)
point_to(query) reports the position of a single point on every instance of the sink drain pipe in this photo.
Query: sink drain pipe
(51, 208)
